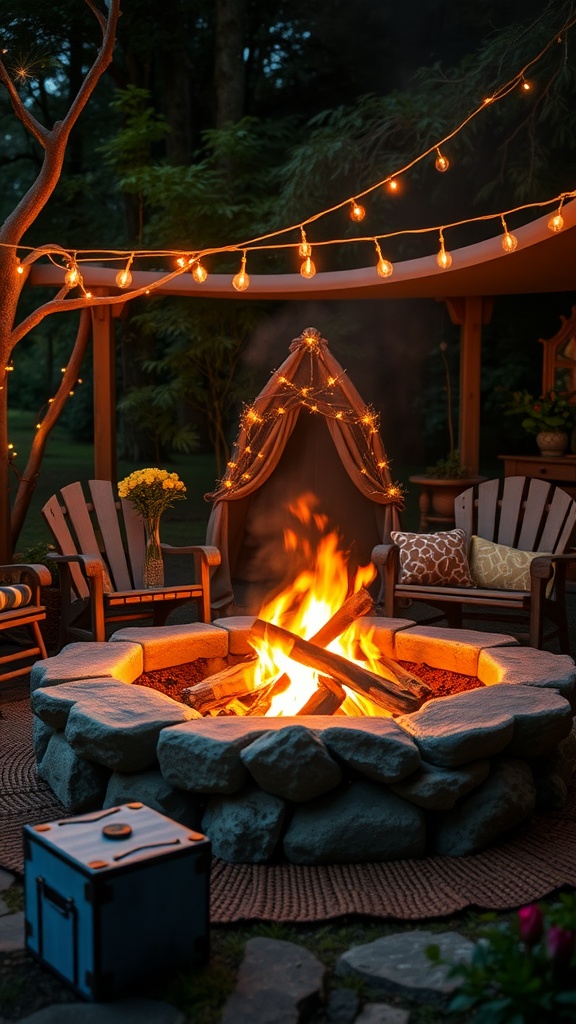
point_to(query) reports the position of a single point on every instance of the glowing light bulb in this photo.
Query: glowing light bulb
(442, 162)
(525, 86)
(199, 273)
(19, 268)
(509, 242)
(308, 268)
(124, 278)
(383, 267)
(443, 259)
(72, 275)
(241, 280)
(556, 223)
(357, 213)
(181, 261)
(392, 185)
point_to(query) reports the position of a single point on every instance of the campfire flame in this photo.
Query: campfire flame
(305, 605)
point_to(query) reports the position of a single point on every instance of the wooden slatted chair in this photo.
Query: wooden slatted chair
(101, 556)
(529, 515)
(21, 606)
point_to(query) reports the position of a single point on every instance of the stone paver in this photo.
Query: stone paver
(277, 983)
(398, 965)
(123, 1011)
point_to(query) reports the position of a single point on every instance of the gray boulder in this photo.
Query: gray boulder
(358, 823)
(438, 789)
(244, 829)
(151, 789)
(500, 804)
(79, 784)
(292, 763)
(122, 734)
(200, 757)
(375, 747)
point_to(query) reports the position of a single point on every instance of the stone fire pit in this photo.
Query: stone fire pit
(451, 778)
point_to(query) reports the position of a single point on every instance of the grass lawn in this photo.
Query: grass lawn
(66, 461)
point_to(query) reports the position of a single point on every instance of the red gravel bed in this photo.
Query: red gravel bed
(172, 681)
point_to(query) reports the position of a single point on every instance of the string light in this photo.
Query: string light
(383, 267)
(241, 279)
(392, 185)
(357, 213)
(19, 267)
(443, 259)
(442, 162)
(556, 222)
(199, 273)
(124, 277)
(308, 268)
(509, 242)
(524, 85)
(72, 277)
(304, 249)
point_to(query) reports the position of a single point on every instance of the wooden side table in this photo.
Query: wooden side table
(559, 470)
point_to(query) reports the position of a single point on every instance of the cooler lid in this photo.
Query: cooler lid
(115, 837)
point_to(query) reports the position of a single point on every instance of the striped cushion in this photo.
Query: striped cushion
(15, 597)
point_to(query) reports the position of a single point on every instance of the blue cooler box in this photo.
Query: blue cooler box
(116, 897)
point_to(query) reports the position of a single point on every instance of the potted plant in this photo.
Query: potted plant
(551, 417)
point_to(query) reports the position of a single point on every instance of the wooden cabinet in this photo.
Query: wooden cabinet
(559, 470)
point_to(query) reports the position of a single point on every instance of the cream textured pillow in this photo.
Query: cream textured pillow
(500, 567)
(433, 558)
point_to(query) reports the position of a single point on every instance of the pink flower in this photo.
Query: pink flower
(531, 923)
(560, 943)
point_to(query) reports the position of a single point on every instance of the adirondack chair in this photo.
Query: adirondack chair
(101, 555)
(21, 606)
(528, 515)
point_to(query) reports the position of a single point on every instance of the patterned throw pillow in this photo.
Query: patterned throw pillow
(15, 596)
(500, 567)
(433, 558)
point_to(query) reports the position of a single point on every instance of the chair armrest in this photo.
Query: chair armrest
(382, 554)
(208, 554)
(91, 565)
(39, 574)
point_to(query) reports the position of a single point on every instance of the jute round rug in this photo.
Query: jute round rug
(540, 858)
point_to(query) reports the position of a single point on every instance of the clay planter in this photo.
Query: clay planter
(552, 442)
(436, 499)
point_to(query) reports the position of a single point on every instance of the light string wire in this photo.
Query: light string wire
(188, 258)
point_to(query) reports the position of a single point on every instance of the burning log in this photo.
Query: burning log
(231, 683)
(395, 696)
(354, 606)
(237, 682)
(326, 699)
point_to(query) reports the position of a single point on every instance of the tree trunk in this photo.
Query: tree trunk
(229, 75)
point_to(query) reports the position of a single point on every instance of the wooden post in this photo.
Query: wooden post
(470, 313)
(104, 361)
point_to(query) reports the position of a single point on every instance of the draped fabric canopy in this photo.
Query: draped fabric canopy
(307, 432)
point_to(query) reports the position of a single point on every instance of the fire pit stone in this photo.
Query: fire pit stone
(455, 776)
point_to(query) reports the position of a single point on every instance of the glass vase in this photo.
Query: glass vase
(153, 574)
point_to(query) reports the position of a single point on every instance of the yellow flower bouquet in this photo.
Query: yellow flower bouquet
(151, 492)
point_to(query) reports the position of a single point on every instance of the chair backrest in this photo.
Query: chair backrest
(524, 513)
(104, 527)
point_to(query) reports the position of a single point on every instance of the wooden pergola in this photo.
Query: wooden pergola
(544, 261)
